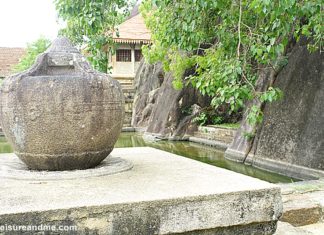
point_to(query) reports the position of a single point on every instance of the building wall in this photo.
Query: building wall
(124, 72)
(125, 69)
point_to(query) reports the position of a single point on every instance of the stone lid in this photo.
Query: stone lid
(62, 45)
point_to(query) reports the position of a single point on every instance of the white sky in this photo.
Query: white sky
(23, 21)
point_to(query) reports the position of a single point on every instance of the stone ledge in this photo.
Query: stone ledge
(213, 143)
(162, 194)
(284, 168)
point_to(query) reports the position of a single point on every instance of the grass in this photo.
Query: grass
(228, 125)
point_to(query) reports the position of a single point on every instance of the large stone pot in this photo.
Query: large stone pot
(61, 114)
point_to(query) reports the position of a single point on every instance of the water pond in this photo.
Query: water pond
(200, 153)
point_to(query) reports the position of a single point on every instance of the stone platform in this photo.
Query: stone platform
(162, 194)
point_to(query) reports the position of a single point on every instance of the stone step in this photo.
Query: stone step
(128, 94)
(128, 89)
(121, 78)
(121, 81)
(127, 119)
(303, 202)
(129, 100)
(300, 210)
(126, 83)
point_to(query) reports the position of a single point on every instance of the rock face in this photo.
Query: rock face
(291, 139)
(61, 114)
(148, 81)
(159, 108)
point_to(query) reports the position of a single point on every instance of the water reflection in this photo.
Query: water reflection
(201, 153)
(5, 147)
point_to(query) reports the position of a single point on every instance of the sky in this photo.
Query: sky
(23, 21)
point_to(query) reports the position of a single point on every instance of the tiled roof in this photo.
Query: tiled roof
(133, 30)
(9, 57)
(135, 11)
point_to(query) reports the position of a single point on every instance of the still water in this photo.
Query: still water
(200, 153)
(187, 149)
(5, 147)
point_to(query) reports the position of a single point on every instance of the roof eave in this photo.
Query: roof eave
(133, 41)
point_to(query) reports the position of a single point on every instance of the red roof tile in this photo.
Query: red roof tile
(133, 30)
(9, 57)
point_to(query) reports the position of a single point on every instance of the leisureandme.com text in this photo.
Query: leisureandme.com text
(40, 227)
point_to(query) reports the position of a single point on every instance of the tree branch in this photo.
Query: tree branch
(239, 30)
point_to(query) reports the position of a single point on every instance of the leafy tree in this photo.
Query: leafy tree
(91, 23)
(33, 50)
(233, 46)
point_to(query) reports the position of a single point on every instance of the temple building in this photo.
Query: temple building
(125, 59)
(132, 34)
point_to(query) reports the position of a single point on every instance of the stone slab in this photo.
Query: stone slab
(301, 210)
(303, 202)
(162, 194)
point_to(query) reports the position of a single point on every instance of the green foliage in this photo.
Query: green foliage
(255, 115)
(228, 43)
(272, 94)
(187, 111)
(248, 135)
(228, 125)
(32, 51)
(201, 119)
(91, 23)
(217, 120)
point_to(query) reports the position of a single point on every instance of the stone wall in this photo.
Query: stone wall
(216, 133)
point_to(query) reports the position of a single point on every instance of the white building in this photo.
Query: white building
(131, 36)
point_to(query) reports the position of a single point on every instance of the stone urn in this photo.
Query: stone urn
(61, 114)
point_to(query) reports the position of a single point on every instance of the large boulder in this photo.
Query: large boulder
(147, 82)
(162, 110)
(291, 138)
